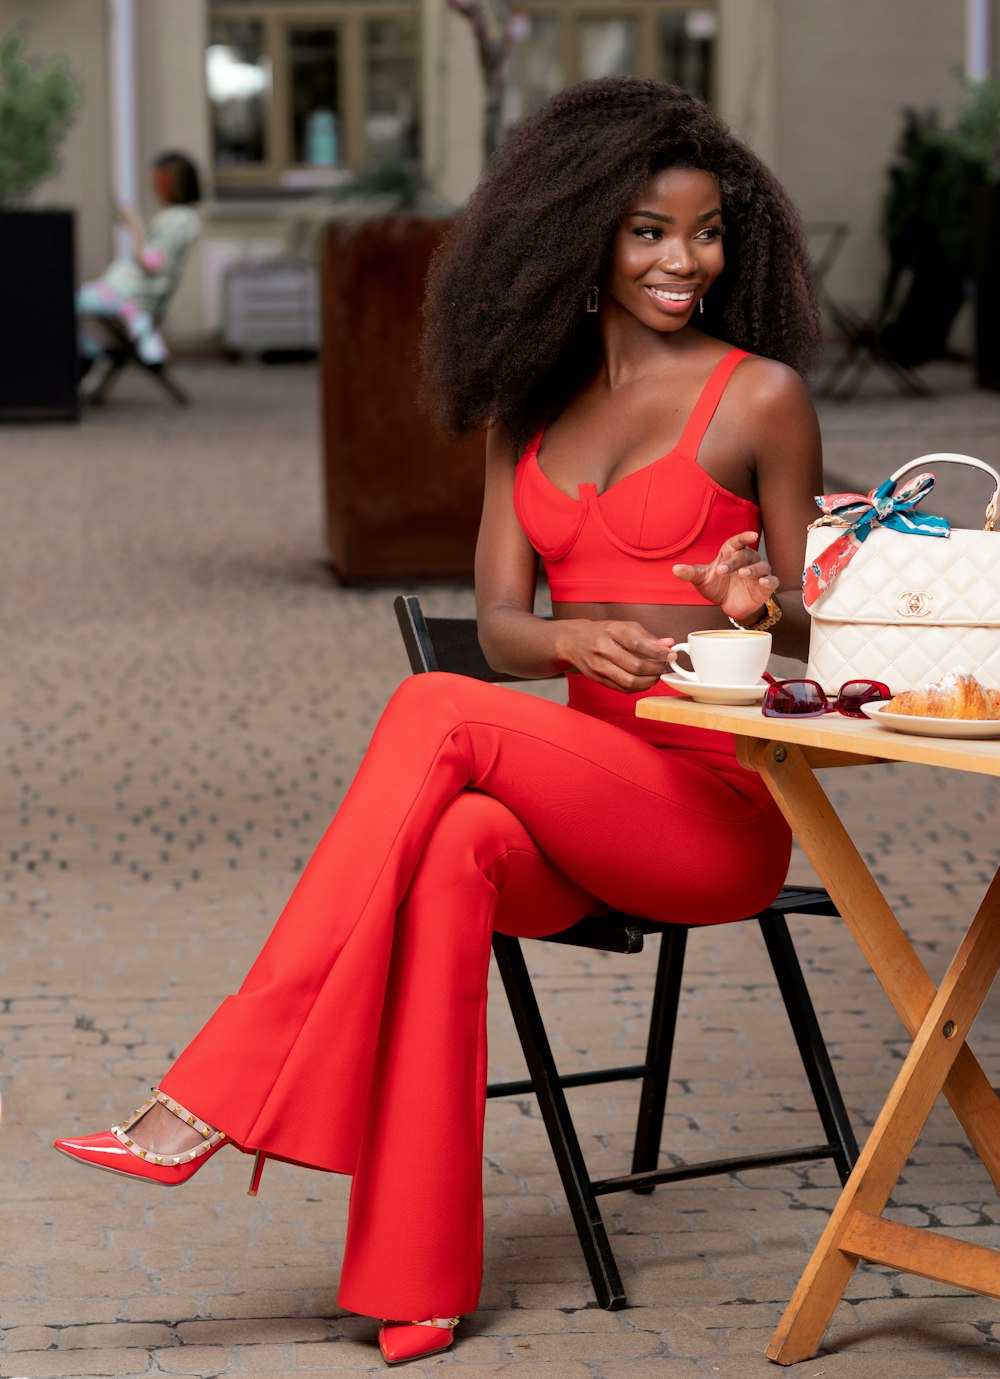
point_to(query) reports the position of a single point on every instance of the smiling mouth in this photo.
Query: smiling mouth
(672, 294)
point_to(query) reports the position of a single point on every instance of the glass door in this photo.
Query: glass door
(315, 98)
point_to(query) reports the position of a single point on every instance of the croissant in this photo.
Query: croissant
(958, 694)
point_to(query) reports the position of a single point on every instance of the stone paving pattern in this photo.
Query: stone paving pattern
(186, 695)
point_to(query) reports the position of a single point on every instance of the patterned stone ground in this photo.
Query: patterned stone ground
(186, 694)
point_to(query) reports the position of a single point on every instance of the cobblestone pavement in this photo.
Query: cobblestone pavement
(187, 695)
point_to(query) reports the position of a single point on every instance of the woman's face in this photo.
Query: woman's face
(667, 251)
(163, 184)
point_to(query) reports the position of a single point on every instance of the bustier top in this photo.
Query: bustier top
(618, 546)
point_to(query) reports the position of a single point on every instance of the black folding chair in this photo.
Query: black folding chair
(119, 353)
(864, 344)
(120, 350)
(864, 341)
(452, 644)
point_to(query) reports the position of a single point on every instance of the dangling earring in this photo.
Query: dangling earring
(593, 296)
(701, 306)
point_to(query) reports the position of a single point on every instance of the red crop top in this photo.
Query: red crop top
(618, 546)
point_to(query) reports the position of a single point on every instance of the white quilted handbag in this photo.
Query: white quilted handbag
(907, 607)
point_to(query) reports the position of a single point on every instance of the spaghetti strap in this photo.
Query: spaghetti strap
(704, 408)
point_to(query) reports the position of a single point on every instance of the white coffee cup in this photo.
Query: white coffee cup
(723, 657)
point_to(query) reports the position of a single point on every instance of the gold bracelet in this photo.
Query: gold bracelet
(772, 615)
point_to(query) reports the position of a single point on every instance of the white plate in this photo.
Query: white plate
(932, 727)
(717, 694)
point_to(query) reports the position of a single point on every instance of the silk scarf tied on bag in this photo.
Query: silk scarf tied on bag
(860, 514)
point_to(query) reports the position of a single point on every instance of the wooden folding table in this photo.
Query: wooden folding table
(786, 753)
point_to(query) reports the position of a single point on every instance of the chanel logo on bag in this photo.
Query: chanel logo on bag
(914, 605)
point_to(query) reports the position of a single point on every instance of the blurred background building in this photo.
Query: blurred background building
(278, 100)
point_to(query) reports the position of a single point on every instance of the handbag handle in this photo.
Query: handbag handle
(992, 507)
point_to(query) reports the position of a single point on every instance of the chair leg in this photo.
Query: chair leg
(851, 379)
(562, 1134)
(168, 383)
(837, 370)
(903, 376)
(115, 364)
(662, 1024)
(809, 1038)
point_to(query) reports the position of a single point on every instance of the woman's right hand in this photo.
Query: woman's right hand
(620, 655)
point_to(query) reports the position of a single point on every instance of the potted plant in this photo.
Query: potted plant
(940, 221)
(38, 358)
(978, 135)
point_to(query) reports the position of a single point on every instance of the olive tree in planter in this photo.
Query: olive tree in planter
(38, 360)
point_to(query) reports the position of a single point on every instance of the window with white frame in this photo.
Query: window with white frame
(299, 92)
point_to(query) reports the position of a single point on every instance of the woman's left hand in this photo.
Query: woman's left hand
(738, 580)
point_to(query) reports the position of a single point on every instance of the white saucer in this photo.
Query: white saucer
(932, 727)
(717, 694)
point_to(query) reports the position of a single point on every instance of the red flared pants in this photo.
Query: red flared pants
(357, 1042)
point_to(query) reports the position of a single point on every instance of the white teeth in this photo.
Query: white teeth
(672, 296)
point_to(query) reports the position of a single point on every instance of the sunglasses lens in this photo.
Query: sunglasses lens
(858, 692)
(792, 698)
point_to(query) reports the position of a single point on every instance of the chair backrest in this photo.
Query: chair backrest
(450, 644)
(173, 282)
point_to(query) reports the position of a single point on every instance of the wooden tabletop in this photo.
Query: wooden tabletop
(831, 733)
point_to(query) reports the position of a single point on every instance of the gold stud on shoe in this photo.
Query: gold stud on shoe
(116, 1152)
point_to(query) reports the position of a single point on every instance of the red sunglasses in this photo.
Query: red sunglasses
(807, 699)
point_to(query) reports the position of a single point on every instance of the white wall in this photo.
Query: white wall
(845, 70)
(452, 101)
(747, 80)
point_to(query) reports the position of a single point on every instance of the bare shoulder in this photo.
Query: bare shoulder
(776, 413)
(770, 387)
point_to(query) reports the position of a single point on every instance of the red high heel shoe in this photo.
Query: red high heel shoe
(113, 1150)
(415, 1340)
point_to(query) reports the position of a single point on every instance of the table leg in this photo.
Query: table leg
(855, 1230)
(867, 914)
(938, 1060)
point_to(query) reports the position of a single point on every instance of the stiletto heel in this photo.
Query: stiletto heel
(259, 1160)
(114, 1152)
(415, 1340)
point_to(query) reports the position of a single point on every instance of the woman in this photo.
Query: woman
(584, 310)
(136, 288)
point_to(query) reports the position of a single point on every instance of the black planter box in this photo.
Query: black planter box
(38, 358)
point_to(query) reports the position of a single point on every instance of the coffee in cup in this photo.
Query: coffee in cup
(723, 657)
